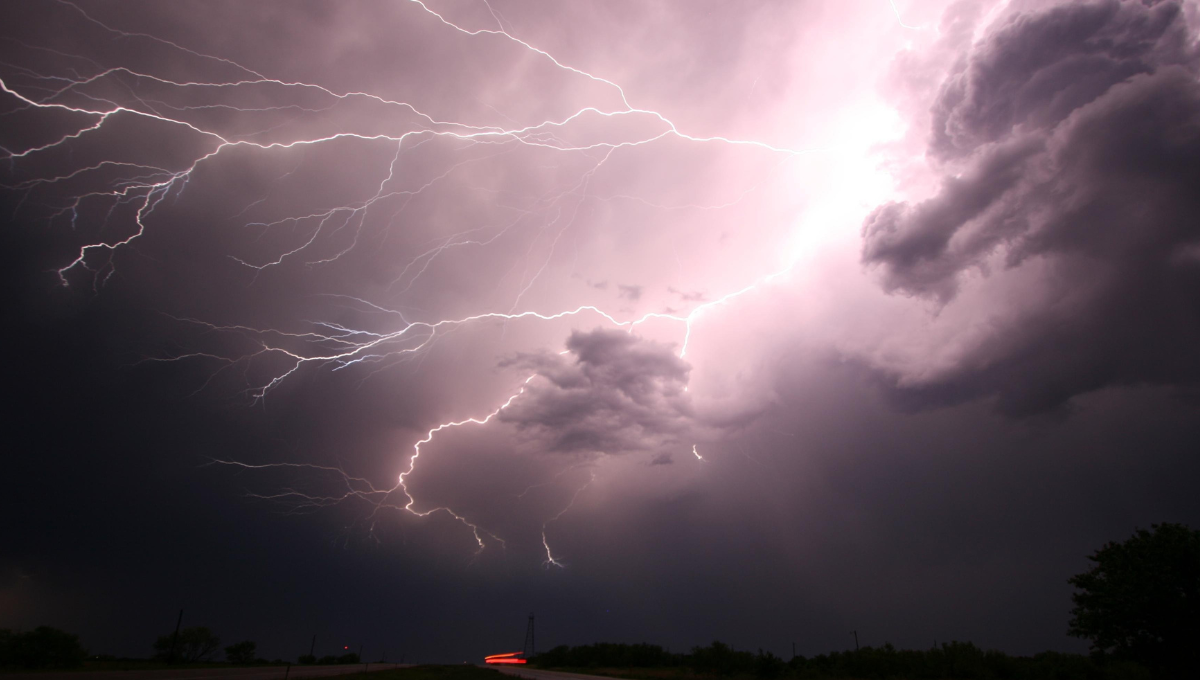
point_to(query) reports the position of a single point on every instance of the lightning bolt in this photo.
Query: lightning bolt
(144, 188)
(900, 20)
(550, 560)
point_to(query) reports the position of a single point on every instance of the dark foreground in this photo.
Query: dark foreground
(376, 671)
(534, 673)
(719, 661)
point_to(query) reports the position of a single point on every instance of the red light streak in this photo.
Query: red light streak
(504, 658)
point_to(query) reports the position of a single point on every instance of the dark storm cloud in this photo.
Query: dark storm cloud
(913, 242)
(613, 393)
(1037, 68)
(1080, 132)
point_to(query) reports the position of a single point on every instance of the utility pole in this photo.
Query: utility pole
(529, 649)
(855, 633)
(313, 647)
(175, 638)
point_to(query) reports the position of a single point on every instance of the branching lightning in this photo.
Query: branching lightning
(330, 344)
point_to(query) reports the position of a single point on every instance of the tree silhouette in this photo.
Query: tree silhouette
(1141, 600)
(192, 645)
(241, 652)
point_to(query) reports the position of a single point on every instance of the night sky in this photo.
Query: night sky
(668, 321)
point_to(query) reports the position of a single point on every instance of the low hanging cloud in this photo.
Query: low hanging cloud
(611, 392)
(1070, 142)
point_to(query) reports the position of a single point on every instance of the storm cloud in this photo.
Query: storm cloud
(1070, 139)
(612, 392)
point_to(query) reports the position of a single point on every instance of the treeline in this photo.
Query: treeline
(199, 644)
(42, 647)
(949, 660)
(329, 660)
(46, 647)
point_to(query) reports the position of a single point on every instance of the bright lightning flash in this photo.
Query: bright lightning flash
(142, 189)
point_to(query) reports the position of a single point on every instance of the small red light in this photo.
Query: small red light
(346, 647)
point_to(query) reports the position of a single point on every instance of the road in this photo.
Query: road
(259, 673)
(538, 674)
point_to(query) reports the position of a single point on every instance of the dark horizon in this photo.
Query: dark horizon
(757, 323)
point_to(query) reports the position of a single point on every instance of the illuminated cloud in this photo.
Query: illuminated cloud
(1071, 143)
(613, 393)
